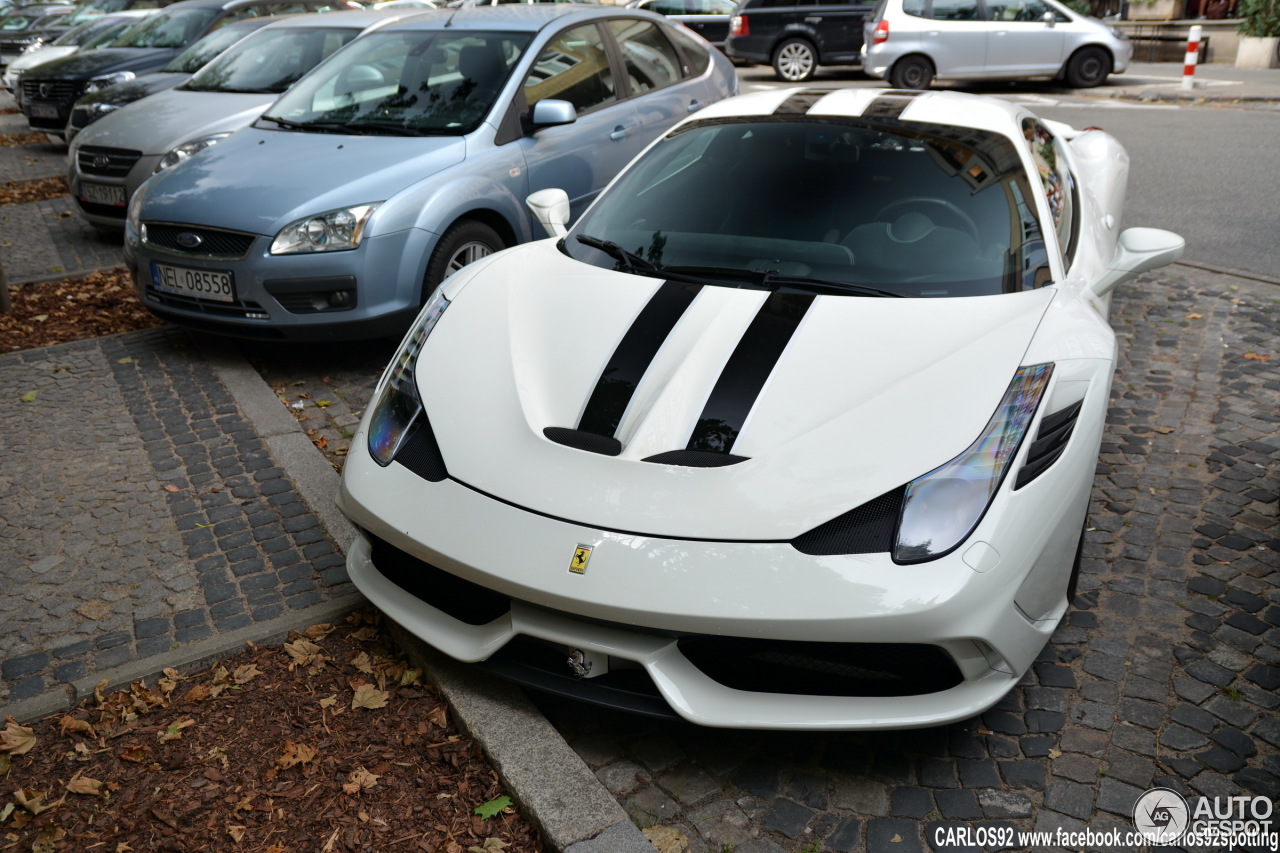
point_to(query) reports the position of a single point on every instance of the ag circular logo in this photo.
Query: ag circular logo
(1161, 815)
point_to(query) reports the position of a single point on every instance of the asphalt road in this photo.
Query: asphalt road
(1205, 172)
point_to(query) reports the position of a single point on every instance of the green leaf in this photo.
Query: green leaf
(125, 360)
(493, 807)
(322, 403)
(30, 396)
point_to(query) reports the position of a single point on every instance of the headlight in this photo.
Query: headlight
(134, 218)
(93, 112)
(942, 508)
(34, 46)
(106, 80)
(188, 150)
(397, 404)
(334, 231)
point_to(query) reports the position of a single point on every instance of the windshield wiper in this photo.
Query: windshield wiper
(772, 280)
(285, 123)
(628, 261)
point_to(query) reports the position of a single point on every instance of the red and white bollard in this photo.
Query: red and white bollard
(1193, 55)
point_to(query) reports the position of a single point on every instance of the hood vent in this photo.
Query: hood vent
(866, 530)
(581, 439)
(696, 458)
(1051, 440)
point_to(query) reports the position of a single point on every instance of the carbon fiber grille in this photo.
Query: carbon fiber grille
(580, 439)
(60, 91)
(107, 162)
(823, 669)
(421, 453)
(867, 529)
(463, 600)
(696, 459)
(213, 242)
(1055, 431)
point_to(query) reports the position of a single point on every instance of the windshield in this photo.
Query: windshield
(271, 61)
(899, 208)
(15, 23)
(173, 27)
(198, 55)
(92, 34)
(407, 82)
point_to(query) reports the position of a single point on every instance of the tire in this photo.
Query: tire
(795, 61)
(465, 242)
(911, 72)
(1088, 67)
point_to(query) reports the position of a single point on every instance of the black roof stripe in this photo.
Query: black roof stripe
(890, 104)
(801, 102)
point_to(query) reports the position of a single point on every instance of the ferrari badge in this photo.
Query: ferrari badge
(581, 556)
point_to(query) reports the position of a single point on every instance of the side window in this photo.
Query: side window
(574, 68)
(695, 51)
(1016, 10)
(1057, 182)
(955, 10)
(915, 8)
(650, 60)
(667, 7)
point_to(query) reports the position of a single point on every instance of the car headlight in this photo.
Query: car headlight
(187, 150)
(93, 112)
(941, 509)
(335, 231)
(397, 404)
(134, 217)
(98, 83)
(33, 46)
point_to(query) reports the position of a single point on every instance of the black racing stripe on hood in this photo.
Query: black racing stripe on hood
(890, 105)
(747, 370)
(801, 102)
(618, 380)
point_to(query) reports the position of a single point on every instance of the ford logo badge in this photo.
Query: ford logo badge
(187, 240)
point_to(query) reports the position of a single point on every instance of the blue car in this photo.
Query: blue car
(405, 156)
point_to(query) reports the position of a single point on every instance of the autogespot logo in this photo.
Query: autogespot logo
(1161, 815)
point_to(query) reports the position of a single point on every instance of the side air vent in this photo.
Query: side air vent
(580, 439)
(696, 458)
(421, 453)
(1051, 440)
(865, 530)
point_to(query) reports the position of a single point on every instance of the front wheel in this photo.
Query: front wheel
(1088, 67)
(795, 61)
(911, 72)
(464, 243)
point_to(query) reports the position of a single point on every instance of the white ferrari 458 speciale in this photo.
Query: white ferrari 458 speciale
(794, 428)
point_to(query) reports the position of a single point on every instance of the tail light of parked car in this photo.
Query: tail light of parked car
(739, 26)
(881, 33)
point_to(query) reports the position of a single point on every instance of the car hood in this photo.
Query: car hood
(39, 57)
(868, 394)
(261, 180)
(134, 90)
(174, 117)
(107, 60)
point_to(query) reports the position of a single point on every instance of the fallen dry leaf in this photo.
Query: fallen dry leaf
(72, 725)
(360, 780)
(245, 674)
(1165, 430)
(85, 785)
(368, 696)
(236, 832)
(171, 488)
(1253, 356)
(295, 753)
(16, 739)
(665, 839)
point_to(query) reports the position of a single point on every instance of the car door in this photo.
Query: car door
(709, 18)
(581, 157)
(1020, 43)
(656, 77)
(838, 26)
(955, 38)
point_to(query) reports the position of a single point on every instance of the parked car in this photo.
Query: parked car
(92, 34)
(708, 18)
(49, 91)
(795, 39)
(93, 106)
(21, 26)
(911, 42)
(110, 160)
(795, 428)
(404, 157)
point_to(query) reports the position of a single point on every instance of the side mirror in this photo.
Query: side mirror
(551, 208)
(1139, 250)
(552, 112)
(1050, 19)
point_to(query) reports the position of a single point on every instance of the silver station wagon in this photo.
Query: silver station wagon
(405, 156)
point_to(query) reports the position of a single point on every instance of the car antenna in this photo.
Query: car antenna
(465, 4)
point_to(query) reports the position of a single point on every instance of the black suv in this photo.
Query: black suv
(796, 37)
(49, 90)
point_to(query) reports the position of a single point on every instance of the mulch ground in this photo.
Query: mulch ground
(40, 189)
(13, 140)
(327, 744)
(101, 303)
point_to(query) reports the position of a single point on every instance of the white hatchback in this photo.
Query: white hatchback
(910, 42)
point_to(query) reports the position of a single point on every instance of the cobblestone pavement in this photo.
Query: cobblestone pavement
(138, 511)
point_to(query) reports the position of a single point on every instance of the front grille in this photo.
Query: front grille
(421, 453)
(214, 242)
(107, 162)
(463, 600)
(867, 529)
(822, 669)
(58, 91)
(1051, 440)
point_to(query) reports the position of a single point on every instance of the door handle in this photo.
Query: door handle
(694, 106)
(619, 132)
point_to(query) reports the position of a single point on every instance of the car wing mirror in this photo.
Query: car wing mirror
(1139, 250)
(552, 111)
(1050, 19)
(551, 208)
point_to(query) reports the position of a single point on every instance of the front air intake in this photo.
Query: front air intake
(1051, 440)
(867, 529)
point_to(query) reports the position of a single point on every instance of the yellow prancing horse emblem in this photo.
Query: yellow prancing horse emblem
(581, 556)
